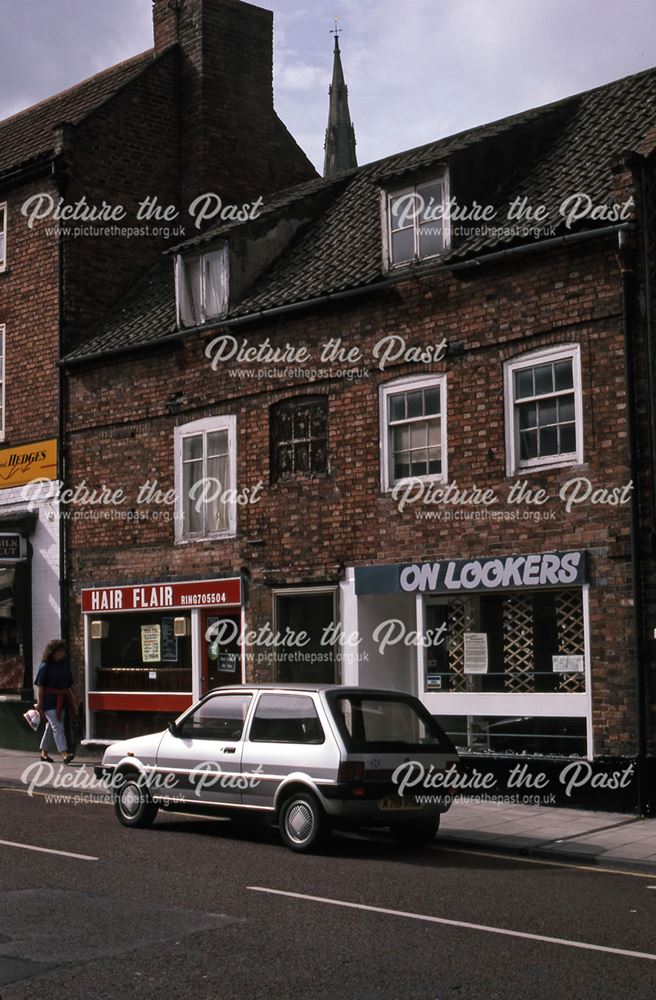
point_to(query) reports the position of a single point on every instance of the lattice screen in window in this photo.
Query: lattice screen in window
(518, 643)
(460, 619)
(569, 622)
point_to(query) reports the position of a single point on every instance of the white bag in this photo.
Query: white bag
(32, 718)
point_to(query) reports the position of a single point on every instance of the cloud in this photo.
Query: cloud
(416, 71)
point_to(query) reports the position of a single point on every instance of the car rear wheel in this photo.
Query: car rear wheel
(303, 823)
(415, 832)
(133, 804)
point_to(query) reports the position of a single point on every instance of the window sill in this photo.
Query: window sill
(300, 478)
(568, 463)
(223, 537)
(387, 491)
(416, 263)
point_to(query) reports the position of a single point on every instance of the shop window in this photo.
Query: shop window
(299, 437)
(416, 227)
(307, 620)
(201, 287)
(2, 381)
(413, 429)
(205, 453)
(3, 236)
(12, 668)
(140, 652)
(544, 420)
(219, 718)
(286, 718)
(534, 642)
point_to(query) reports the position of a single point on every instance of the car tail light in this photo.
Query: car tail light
(351, 770)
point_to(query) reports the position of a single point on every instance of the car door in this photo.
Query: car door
(205, 754)
(285, 736)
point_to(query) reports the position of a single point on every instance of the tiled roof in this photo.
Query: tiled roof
(30, 133)
(545, 154)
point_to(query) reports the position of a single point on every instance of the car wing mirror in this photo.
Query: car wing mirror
(173, 729)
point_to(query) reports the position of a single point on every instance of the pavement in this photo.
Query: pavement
(602, 839)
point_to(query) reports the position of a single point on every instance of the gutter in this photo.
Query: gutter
(524, 250)
(31, 168)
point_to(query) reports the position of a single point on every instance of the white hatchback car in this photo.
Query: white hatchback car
(309, 757)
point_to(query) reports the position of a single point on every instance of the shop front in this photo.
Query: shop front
(496, 647)
(152, 649)
(30, 605)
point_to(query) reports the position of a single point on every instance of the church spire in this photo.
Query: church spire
(340, 134)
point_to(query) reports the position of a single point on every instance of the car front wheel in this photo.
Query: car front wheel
(415, 832)
(303, 824)
(133, 804)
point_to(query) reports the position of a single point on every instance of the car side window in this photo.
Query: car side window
(218, 718)
(286, 718)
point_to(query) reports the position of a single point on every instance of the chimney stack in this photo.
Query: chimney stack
(231, 140)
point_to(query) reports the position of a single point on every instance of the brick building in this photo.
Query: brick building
(157, 127)
(347, 360)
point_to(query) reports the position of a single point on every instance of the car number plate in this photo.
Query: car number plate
(397, 803)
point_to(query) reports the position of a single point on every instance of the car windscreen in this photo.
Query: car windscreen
(386, 724)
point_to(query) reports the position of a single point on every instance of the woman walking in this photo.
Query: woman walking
(54, 684)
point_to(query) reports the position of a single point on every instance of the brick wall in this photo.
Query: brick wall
(312, 528)
(123, 152)
(29, 307)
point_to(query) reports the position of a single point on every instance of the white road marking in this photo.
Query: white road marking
(48, 850)
(458, 923)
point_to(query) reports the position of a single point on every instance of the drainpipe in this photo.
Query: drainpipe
(61, 428)
(627, 271)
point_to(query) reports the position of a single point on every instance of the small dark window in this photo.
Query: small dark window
(286, 719)
(299, 437)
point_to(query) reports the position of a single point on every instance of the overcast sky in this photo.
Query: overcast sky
(416, 69)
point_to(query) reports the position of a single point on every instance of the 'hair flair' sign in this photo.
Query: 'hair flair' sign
(452, 576)
(163, 596)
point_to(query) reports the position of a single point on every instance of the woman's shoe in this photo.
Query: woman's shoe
(68, 758)
(46, 758)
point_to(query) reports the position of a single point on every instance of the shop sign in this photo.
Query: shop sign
(13, 547)
(161, 596)
(547, 569)
(31, 461)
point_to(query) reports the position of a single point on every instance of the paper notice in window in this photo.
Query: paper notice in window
(567, 664)
(475, 653)
(150, 643)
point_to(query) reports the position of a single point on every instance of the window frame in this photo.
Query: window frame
(387, 194)
(4, 215)
(545, 355)
(181, 263)
(275, 477)
(407, 384)
(205, 426)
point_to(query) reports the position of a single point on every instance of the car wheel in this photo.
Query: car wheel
(415, 832)
(133, 804)
(303, 824)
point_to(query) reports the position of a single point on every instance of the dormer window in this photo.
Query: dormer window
(416, 227)
(201, 287)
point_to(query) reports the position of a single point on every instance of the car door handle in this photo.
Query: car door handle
(228, 749)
